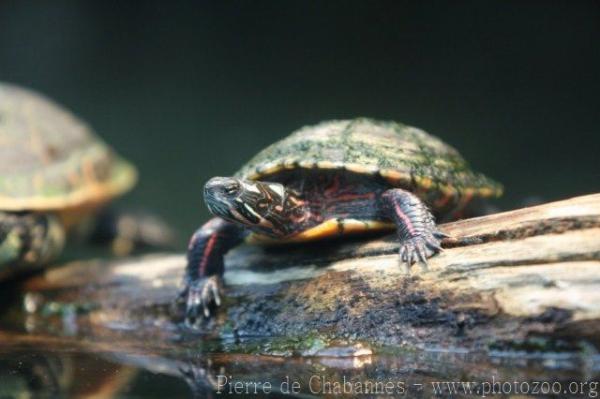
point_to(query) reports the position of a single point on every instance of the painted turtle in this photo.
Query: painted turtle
(334, 178)
(54, 174)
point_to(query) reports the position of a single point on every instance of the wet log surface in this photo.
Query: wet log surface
(525, 280)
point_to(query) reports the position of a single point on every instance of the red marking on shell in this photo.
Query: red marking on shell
(352, 197)
(335, 186)
(443, 201)
(457, 213)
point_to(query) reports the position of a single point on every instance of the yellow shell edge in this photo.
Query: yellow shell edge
(123, 178)
(328, 229)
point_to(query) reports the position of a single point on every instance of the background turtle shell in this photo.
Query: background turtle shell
(405, 156)
(51, 160)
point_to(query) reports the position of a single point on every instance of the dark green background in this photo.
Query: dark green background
(188, 90)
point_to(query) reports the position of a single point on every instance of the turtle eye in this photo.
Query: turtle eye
(231, 188)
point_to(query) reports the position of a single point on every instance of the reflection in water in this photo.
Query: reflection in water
(22, 374)
(29, 373)
(143, 368)
(423, 374)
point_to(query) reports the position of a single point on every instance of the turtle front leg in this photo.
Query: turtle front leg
(205, 267)
(418, 234)
(29, 239)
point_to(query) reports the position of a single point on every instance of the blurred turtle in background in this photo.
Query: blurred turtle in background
(56, 178)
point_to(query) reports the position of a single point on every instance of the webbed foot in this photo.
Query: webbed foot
(200, 296)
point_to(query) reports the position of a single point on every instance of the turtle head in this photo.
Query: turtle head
(260, 206)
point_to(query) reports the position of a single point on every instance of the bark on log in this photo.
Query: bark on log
(525, 279)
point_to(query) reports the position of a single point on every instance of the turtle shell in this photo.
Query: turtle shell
(52, 161)
(405, 156)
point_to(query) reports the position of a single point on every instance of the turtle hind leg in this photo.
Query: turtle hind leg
(419, 236)
(30, 239)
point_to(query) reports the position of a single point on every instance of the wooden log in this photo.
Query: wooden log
(524, 279)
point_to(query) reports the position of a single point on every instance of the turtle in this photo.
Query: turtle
(327, 180)
(55, 175)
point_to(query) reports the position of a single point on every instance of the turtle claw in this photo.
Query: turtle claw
(421, 252)
(201, 295)
(418, 249)
(440, 235)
